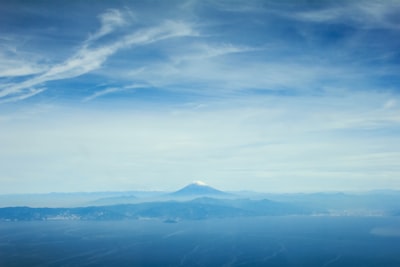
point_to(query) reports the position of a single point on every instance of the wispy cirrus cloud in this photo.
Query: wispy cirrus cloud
(214, 71)
(364, 14)
(11, 67)
(205, 51)
(217, 62)
(110, 21)
(92, 55)
(16, 63)
(26, 94)
(221, 62)
(112, 90)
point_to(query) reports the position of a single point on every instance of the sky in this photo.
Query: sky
(271, 96)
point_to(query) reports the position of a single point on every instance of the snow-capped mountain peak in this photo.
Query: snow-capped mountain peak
(199, 183)
(198, 188)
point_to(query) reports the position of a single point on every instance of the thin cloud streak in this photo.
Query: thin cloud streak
(27, 94)
(364, 14)
(112, 90)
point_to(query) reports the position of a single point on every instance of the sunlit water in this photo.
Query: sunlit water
(263, 241)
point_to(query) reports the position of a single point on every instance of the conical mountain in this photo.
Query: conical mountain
(198, 188)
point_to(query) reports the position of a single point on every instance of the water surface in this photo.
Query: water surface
(262, 241)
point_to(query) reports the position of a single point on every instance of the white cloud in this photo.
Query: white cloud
(204, 65)
(26, 94)
(14, 63)
(364, 14)
(89, 58)
(205, 51)
(15, 68)
(110, 20)
(274, 143)
(102, 93)
(323, 136)
(224, 73)
(113, 90)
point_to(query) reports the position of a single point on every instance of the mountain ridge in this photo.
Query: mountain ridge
(196, 209)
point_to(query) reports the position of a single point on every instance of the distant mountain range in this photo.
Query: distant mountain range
(197, 209)
(195, 201)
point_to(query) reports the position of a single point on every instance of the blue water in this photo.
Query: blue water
(263, 241)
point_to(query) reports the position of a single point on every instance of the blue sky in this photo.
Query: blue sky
(275, 96)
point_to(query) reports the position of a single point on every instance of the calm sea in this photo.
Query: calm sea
(261, 241)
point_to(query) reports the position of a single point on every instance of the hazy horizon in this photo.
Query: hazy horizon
(162, 189)
(267, 96)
